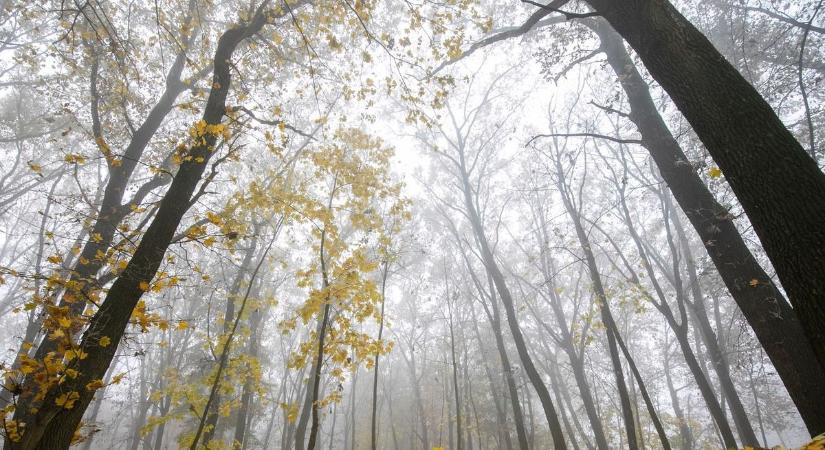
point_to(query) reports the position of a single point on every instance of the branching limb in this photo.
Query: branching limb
(276, 122)
(610, 109)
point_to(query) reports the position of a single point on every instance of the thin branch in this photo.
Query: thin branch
(610, 109)
(567, 14)
(783, 18)
(591, 135)
(533, 22)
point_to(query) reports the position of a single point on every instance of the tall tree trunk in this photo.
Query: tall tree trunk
(504, 293)
(374, 419)
(322, 334)
(654, 416)
(213, 416)
(774, 322)
(558, 388)
(493, 314)
(52, 426)
(778, 184)
(679, 327)
(685, 434)
(503, 439)
(699, 314)
(757, 408)
(506, 367)
(565, 337)
(611, 329)
(98, 402)
(459, 437)
(143, 406)
(242, 421)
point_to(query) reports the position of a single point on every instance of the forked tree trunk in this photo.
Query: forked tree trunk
(611, 329)
(504, 293)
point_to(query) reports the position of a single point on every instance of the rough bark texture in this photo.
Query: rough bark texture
(779, 186)
(774, 322)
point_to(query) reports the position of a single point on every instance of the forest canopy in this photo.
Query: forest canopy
(393, 224)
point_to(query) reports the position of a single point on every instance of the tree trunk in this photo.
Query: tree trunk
(518, 416)
(374, 420)
(778, 184)
(242, 424)
(773, 321)
(503, 436)
(654, 416)
(52, 426)
(506, 298)
(685, 434)
(459, 437)
(611, 329)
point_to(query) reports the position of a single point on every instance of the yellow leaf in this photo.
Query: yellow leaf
(67, 400)
(144, 286)
(715, 172)
(65, 322)
(104, 341)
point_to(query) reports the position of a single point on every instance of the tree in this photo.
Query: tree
(725, 110)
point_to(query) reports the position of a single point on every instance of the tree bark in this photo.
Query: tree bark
(778, 184)
(52, 427)
(774, 322)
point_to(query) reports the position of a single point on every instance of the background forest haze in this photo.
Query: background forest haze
(412, 224)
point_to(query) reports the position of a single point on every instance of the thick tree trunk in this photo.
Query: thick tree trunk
(52, 426)
(779, 186)
(774, 322)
